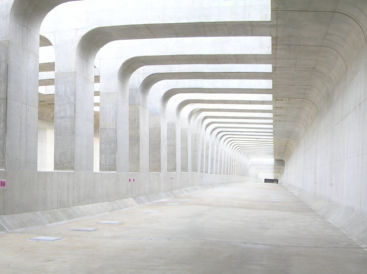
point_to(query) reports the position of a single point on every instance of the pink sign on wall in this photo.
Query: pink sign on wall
(2, 183)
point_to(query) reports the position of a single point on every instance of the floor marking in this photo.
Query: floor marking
(110, 222)
(173, 204)
(86, 229)
(45, 239)
(150, 211)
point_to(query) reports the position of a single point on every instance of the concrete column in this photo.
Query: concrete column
(207, 157)
(204, 162)
(189, 150)
(107, 131)
(138, 138)
(195, 151)
(171, 147)
(134, 138)
(200, 153)
(154, 143)
(74, 116)
(65, 90)
(122, 124)
(223, 162)
(232, 166)
(184, 149)
(4, 61)
(178, 148)
(224, 166)
(22, 99)
(144, 139)
(217, 160)
(19, 45)
(213, 158)
(109, 109)
(228, 164)
(164, 145)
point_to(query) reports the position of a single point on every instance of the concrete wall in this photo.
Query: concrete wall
(328, 167)
(48, 197)
(37, 191)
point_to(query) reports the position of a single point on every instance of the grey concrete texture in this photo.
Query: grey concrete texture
(330, 159)
(319, 102)
(301, 50)
(235, 228)
(38, 191)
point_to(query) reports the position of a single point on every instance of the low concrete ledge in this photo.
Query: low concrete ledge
(15, 222)
(352, 222)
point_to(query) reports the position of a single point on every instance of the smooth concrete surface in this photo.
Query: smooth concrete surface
(318, 109)
(54, 190)
(234, 228)
(351, 221)
(329, 162)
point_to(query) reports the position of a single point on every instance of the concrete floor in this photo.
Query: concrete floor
(237, 228)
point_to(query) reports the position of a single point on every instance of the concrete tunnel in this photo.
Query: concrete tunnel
(203, 136)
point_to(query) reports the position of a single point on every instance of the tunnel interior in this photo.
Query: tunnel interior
(258, 106)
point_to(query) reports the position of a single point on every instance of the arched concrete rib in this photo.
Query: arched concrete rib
(186, 103)
(288, 99)
(238, 126)
(244, 142)
(196, 115)
(169, 94)
(119, 85)
(96, 38)
(278, 89)
(137, 81)
(314, 38)
(220, 132)
(236, 121)
(190, 73)
(153, 79)
(278, 122)
(181, 46)
(256, 146)
(225, 135)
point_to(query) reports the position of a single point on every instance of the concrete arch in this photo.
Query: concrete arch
(111, 33)
(117, 31)
(100, 31)
(125, 74)
(251, 128)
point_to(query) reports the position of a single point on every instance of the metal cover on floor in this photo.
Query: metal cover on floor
(45, 239)
(110, 222)
(87, 229)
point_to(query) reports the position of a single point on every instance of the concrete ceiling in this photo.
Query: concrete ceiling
(313, 43)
